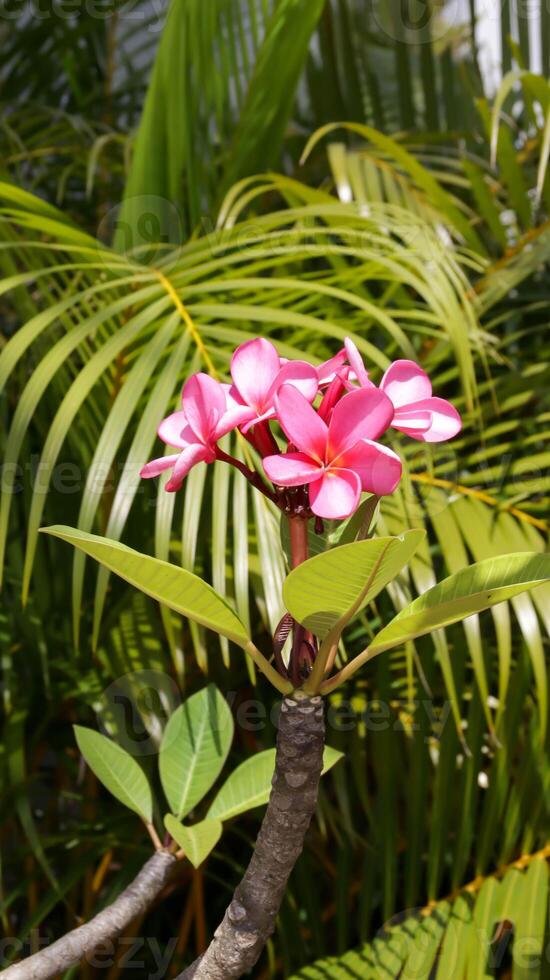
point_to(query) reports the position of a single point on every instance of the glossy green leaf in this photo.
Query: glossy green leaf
(325, 592)
(249, 785)
(197, 840)
(467, 592)
(194, 748)
(117, 770)
(175, 587)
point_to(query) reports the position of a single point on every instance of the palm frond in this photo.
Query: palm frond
(114, 330)
(498, 919)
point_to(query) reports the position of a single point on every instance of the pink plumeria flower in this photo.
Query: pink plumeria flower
(416, 411)
(195, 429)
(258, 373)
(337, 460)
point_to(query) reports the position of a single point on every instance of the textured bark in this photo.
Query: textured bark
(107, 925)
(250, 917)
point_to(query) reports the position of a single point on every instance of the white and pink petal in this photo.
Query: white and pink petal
(445, 421)
(356, 363)
(301, 423)
(189, 457)
(406, 383)
(292, 469)
(254, 367)
(364, 413)
(158, 466)
(300, 375)
(174, 430)
(378, 467)
(204, 403)
(336, 495)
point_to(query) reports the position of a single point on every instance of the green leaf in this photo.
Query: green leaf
(194, 748)
(325, 592)
(249, 785)
(272, 89)
(117, 770)
(448, 943)
(177, 588)
(467, 592)
(197, 841)
(531, 918)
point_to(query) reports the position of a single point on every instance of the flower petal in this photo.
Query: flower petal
(405, 383)
(300, 422)
(327, 371)
(292, 469)
(445, 420)
(157, 466)
(300, 375)
(361, 414)
(254, 419)
(191, 455)
(172, 430)
(232, 396)
(378, 467)
(356, 363)
(336, 495)
(204, 403)
(412, 421)
(254, 367)
(237, 415)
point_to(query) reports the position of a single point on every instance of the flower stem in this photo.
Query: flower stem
(252, 477)
(298, 540)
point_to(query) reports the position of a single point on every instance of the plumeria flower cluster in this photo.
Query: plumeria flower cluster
(324, 451)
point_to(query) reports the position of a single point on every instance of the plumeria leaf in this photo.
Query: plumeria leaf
(196, 841)
(117, 770)
(194, 748)
(460, 595)
(175, 587)
(325, 592)
(249, 785)
(357, 527)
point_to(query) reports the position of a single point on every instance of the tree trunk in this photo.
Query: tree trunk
(250, 918)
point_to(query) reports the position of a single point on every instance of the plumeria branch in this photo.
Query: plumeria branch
(106, 926)
(250, 917)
